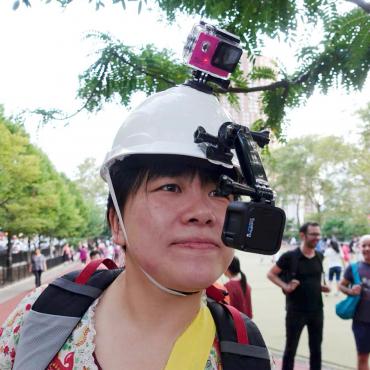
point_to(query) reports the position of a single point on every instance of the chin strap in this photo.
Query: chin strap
(115, 203)
(120, 220)
(164, 289)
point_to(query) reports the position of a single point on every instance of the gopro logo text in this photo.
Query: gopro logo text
(250, 227)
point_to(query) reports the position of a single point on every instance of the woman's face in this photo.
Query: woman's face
(174, 227)
(365, 249)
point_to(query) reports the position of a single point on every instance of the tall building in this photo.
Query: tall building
(250, 107)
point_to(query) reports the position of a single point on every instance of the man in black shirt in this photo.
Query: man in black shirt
(303, 289)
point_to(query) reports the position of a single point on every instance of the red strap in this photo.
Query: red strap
(241, 331)
(89, 269)
(215, 293)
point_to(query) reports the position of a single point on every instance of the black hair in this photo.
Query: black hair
(334, 245)
(234, 269)
(94, 253)
(129, 174)
(303, 229)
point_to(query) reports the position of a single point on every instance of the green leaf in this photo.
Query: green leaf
(16, 4)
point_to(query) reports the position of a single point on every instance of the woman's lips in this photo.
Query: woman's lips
(201, 244)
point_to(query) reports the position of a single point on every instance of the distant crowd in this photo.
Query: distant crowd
(313, 267)
(86, 252)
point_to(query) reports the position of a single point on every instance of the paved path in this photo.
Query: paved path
(268, 307)
(10, 295)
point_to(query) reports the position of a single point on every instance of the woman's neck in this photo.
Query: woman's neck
(133, 310)
(141, 302)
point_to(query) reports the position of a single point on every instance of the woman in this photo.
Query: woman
(334, 260)
(67, 253)
(38, 266)
(238, 288)
(83, 254)
(346, 254)
(361, 319)
(165, 212)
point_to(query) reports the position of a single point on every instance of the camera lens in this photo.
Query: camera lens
(226, 56)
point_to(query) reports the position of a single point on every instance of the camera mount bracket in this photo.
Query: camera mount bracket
(238, 137)
(200, 82)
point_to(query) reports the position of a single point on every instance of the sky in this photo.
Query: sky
(43, 50)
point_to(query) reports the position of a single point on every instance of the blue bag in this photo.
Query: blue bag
(346, 308)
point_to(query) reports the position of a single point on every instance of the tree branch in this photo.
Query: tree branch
(362, 4)
(4, 202)
(82, 107)
(275, 85)
(142, 70)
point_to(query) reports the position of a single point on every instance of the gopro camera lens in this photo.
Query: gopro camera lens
(226, 56)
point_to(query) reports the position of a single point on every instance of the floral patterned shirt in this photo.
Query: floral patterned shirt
(77, 352)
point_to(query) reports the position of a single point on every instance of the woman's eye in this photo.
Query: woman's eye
(171, 187)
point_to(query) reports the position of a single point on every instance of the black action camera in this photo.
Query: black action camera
(256, 226)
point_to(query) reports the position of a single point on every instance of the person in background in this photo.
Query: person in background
(334, 259)
(119, 257)
(83, 254)
(38, 266)
(346, 252)
(238, 288)
(321, 245)
(102, 248)
(95, 255)
(67, 253)
(304, 304)
(352, 244)
(293, 242)
(361, 319)
(358, 257)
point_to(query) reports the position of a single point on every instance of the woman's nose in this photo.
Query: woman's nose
(199, 210)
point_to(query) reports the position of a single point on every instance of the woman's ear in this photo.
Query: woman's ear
(115, 227)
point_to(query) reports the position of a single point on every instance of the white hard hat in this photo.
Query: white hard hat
(165, 124)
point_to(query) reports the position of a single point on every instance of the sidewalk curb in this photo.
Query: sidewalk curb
(9, 291)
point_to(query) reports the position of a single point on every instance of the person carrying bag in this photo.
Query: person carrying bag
(346, 308)
(356, 285)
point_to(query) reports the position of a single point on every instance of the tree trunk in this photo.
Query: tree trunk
(29, 251)
(319, 215)
(9, 259)
(297, 213)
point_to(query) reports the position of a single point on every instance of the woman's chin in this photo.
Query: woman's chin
(194, 282)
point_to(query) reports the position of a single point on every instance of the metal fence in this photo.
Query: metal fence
(20, 264)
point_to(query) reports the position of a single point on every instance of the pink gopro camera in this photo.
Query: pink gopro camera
(213, 51)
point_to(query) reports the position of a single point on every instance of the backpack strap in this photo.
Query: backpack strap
(57, 311)
(296, 253)
(320, 256)
(355, 273)
(216, 294)
(85, 275)
(238, 350)
(290, 273)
